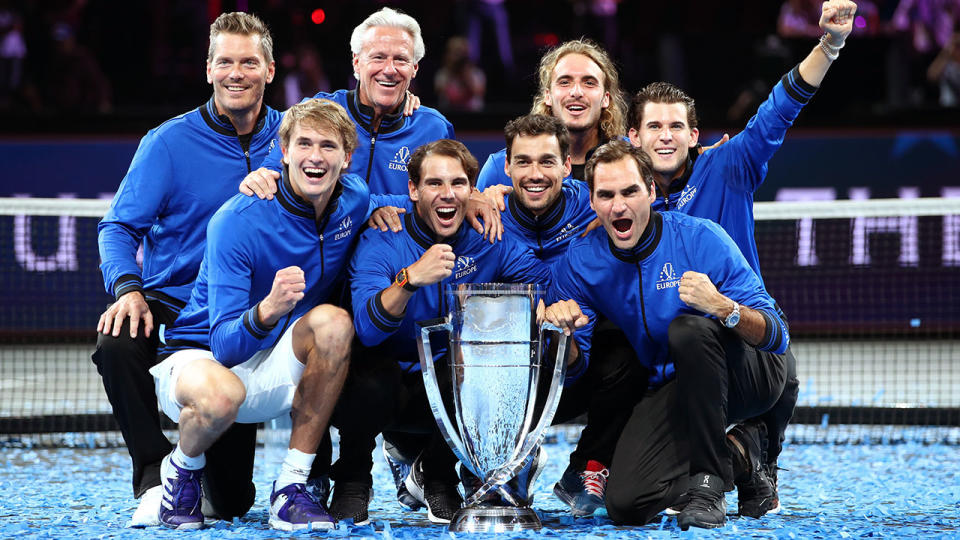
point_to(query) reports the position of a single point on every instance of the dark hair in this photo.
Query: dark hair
(532, 125)
(615, 151)
(443, 147)
(660, 92)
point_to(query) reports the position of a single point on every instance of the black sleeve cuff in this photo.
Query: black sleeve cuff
(380, 317)
(127, 283)
(797, 88)
(253, 324)
(772, 334)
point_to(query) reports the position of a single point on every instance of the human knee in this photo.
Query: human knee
(330, 326)
(116, 353)
(689, 328)
(212, 391)
(625, 503)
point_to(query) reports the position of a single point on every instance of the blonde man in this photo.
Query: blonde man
(256, 339)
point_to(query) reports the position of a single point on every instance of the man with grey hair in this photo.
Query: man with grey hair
(387, 48)
(182, 172)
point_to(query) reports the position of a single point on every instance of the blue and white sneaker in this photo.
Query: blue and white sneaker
(180, 502)
(583, 491)
(400, 468)
(293, 508)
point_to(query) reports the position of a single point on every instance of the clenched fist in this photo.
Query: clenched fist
(433, 267)
(288, 286)
(697, 291)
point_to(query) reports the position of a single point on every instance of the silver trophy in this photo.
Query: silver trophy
(499, 366)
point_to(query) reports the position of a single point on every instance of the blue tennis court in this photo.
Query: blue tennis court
(906, 490)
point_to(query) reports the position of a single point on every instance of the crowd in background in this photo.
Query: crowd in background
(101, 57)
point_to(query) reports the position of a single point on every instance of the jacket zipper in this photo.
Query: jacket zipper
(373, 143)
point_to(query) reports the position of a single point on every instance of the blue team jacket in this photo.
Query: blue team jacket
(248, 240)
(638, 289)
(719, 184)
(380, 255)
(549, 234)
(381, 157)
(182, 172)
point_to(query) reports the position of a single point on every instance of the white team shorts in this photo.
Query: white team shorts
(270, 377)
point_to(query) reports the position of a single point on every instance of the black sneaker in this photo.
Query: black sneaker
(350, 501)
(756, 493)
(442, 500)
(471, 484)
(707, 508)
(400, 468)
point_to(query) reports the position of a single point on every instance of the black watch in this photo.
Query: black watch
(401, 280)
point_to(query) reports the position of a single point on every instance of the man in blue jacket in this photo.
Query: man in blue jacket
(387, 48)
(719, 185)
(256, 339)
(546, 211)
(701, 325)
(182, 172)
(396, 281)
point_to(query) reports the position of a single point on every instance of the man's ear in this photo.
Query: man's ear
(414, 195)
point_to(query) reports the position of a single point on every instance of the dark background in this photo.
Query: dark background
(92, 76)
(131, 65)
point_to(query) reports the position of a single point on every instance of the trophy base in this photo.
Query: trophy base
(495, 519)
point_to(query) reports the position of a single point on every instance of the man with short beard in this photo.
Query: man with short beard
(395, 281)
(546, 211)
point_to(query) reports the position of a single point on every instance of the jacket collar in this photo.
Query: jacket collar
(424, 236)
(363, 115)
(294, 204)
(677, 184)
(545, 221)
(648, 242)
(221, 122)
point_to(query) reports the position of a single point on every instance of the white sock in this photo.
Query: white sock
(186, 462)
(295, 468)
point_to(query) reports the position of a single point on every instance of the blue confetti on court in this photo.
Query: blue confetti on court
(830, 491)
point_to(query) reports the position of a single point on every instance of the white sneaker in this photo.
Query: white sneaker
(148, 509)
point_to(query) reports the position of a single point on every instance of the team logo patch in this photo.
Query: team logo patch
(668, 278)
(565, 232)
(465, 266)
(345, 228)
(686, 195)
(400, 160)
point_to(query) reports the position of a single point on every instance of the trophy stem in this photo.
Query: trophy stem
(478, 519)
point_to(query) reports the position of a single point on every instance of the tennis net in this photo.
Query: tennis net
(871, 290)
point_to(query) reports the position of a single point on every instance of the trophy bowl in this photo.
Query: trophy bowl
(507, 373)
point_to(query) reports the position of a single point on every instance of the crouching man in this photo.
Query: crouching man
(256, 340)
(701, 325)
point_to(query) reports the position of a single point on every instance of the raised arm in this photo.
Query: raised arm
(836, 20)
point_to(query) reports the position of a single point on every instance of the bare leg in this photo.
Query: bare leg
(211, 396)
(321, 341)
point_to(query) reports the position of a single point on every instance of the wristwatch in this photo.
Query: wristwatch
(733, 319)
(401, 280)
